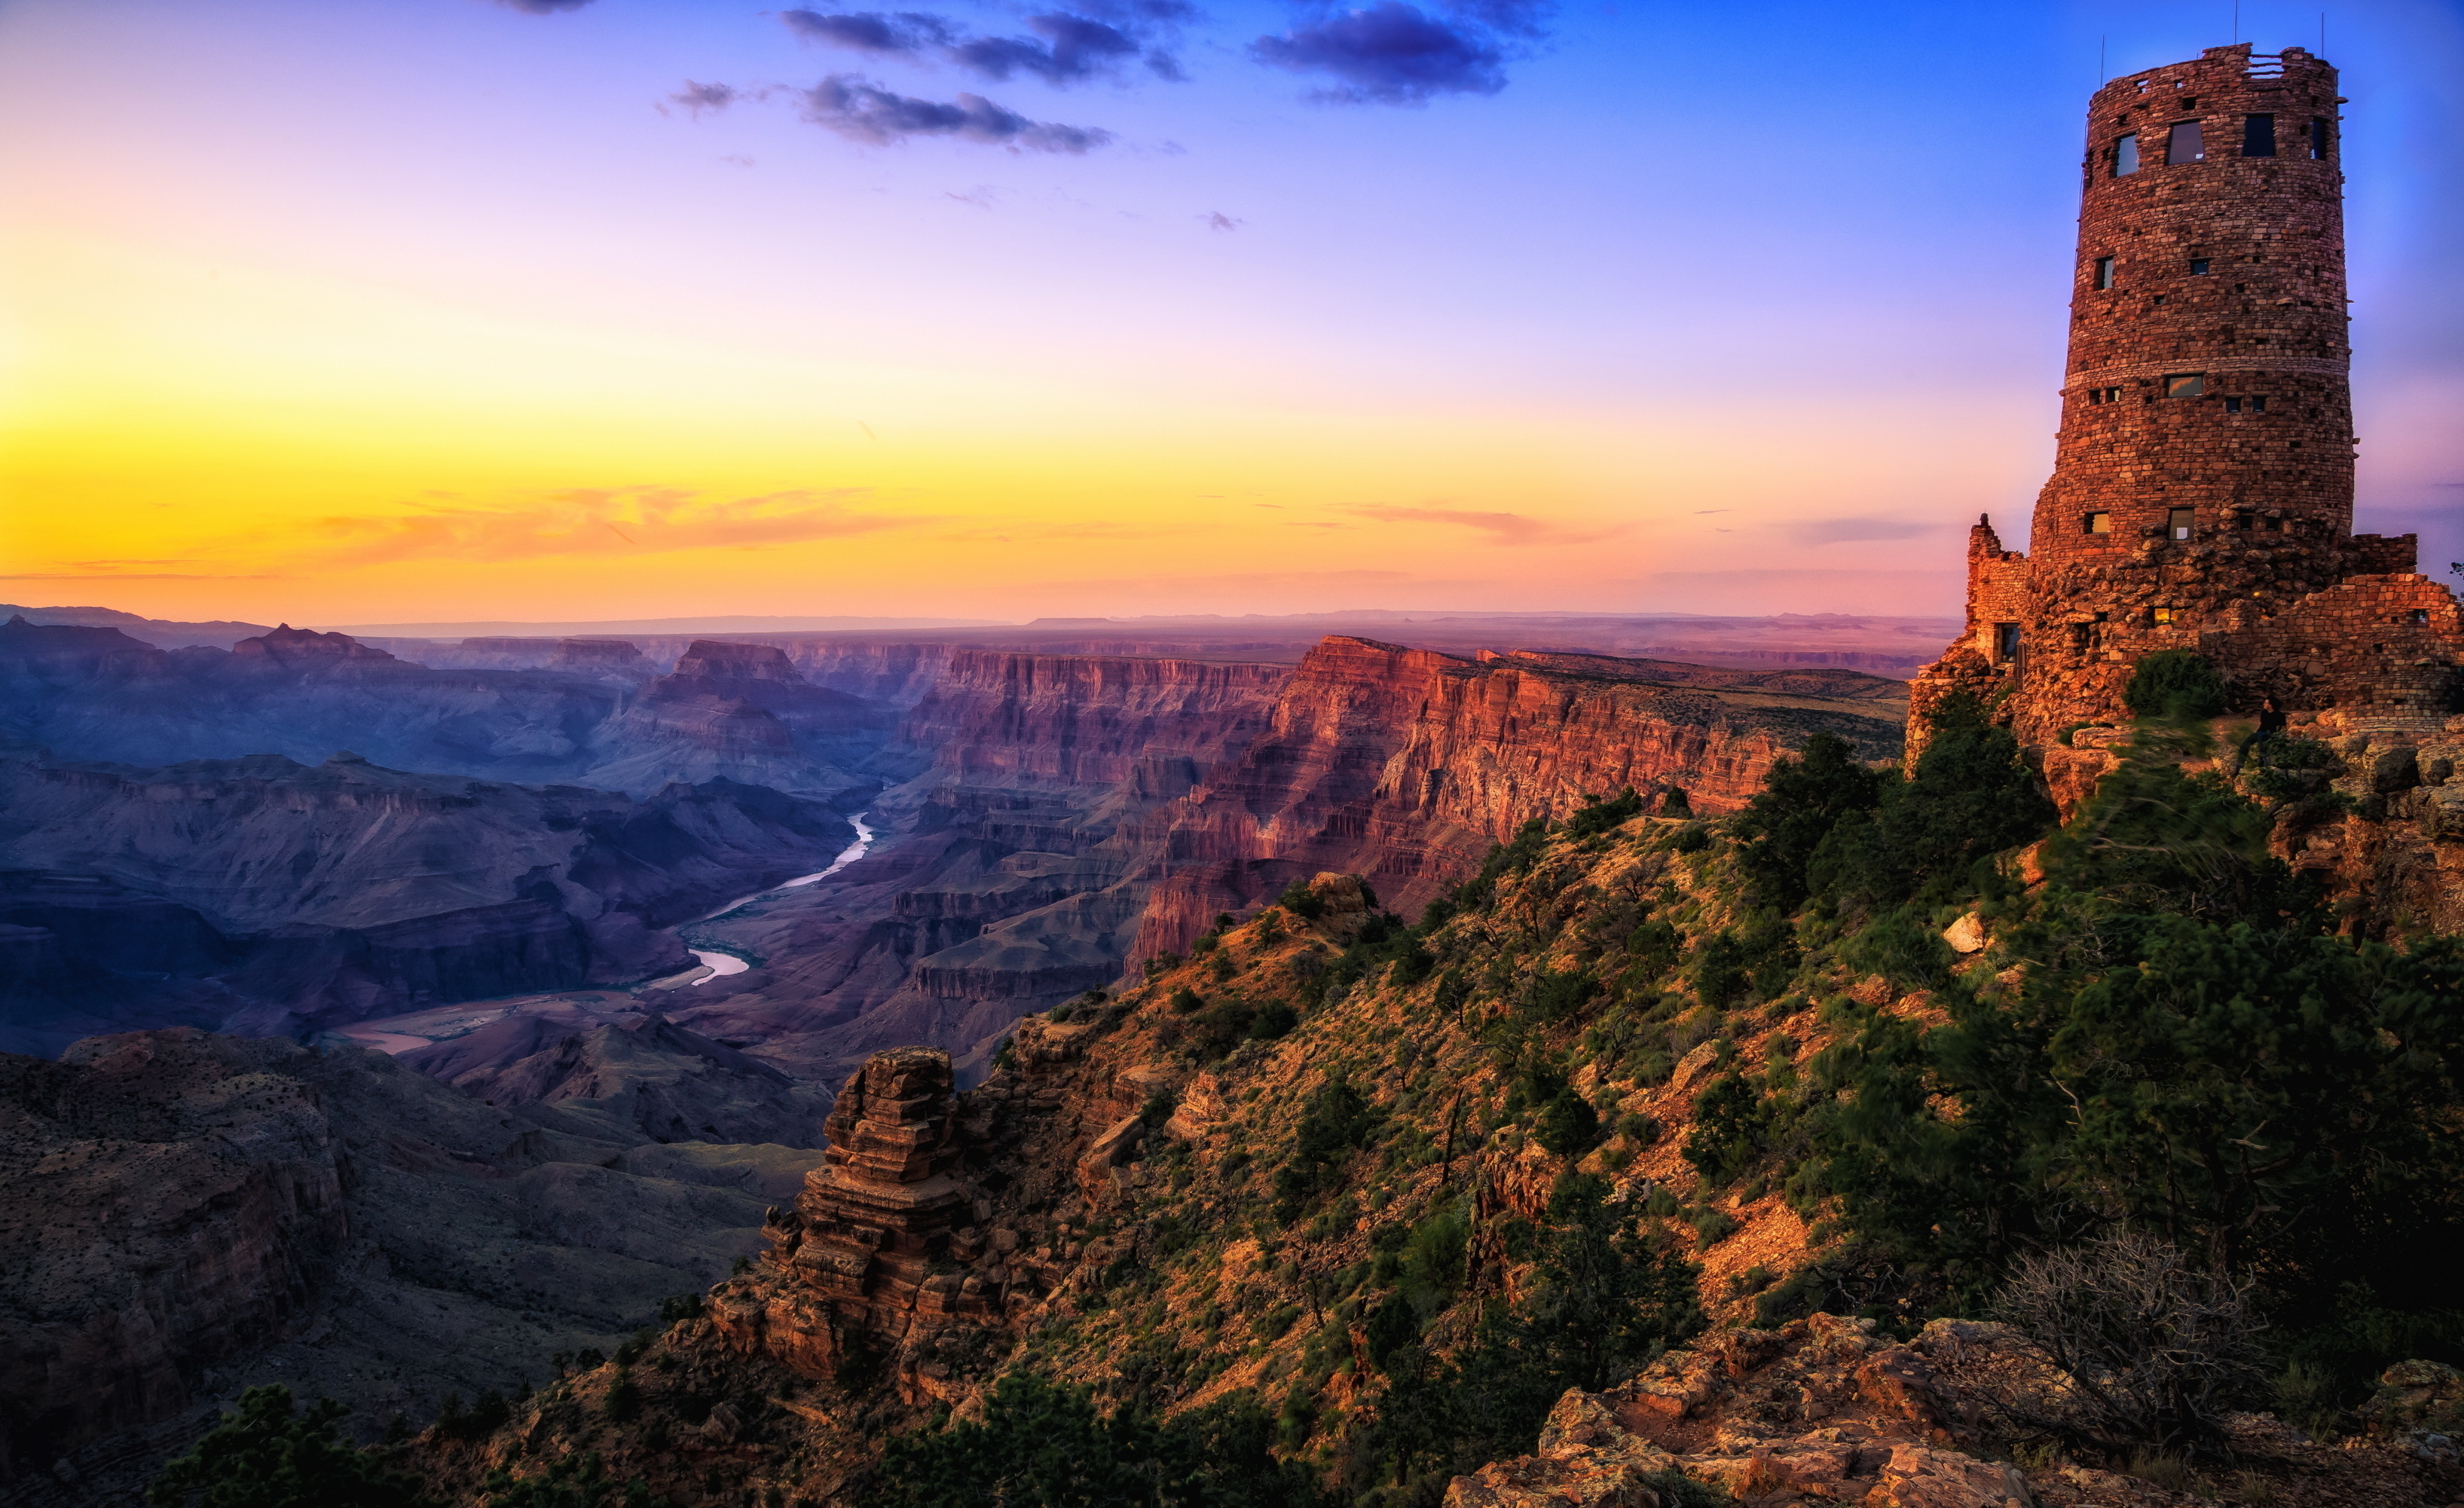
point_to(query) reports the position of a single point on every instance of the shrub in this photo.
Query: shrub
(1297, 900)
(1600, 816)
(2151, 1351)
(2177, 685)
(268, 1454)
(1802, 799)
(1569, 1126)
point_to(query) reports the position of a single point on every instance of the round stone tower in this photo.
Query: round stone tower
(2202, 495)
(2205, 387)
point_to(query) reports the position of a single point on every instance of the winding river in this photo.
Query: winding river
(720, 964)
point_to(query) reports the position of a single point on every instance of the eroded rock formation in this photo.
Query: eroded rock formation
(1405, 764)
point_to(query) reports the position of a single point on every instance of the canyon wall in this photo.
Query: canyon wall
(277, 897)
(1000, 888)
(1404, 765)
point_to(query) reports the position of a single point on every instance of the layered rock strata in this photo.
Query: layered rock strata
(1404, 765)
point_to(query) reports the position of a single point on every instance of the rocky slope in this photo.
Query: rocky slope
(189, 1214)
(286, 897)
(1187, 1196)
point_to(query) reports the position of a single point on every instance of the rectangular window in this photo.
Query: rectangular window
(2241, 521)
(2006, 641)
(2104, 271)
(2177, 522)
(2163, 614)
(2319, 140)
(2182, 144)
(2258, 136)
(2096, 523)
(2198, 267)
(2125, 157)
(2185, 385)
(2421, 615)
(2233, 405)
(2258, 404)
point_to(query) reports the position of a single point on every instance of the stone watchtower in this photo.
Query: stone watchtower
(2202, 495)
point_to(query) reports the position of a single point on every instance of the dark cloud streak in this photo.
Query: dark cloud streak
(1389, 54)
(1066, 48)
(863, 111)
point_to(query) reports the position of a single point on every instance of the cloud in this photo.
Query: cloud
(1501, 528)
(903, 34)
(1218, 220)
(863, 111)
(699, 96)
(1066, 47)
(1849, 531)
(542, 7)
(619, 521)
(1389, 54)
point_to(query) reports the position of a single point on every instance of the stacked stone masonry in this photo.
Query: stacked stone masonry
(2202, 494)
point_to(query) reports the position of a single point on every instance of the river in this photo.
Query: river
(721, 964)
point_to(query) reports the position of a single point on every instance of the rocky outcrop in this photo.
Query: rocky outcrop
(642, 1078)
(346, 891)
(855, 1254)
(189, 1214)
(170, 1204)
(743, 712)
(1405, 765)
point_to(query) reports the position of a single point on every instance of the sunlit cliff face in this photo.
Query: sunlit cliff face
(369, 313)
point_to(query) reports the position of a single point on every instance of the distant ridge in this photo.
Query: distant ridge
(739, 624)
(163, 634)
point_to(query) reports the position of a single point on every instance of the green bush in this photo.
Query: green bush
(2177, 685)
(1802, 799)
(1600, 816)
(269, 1453)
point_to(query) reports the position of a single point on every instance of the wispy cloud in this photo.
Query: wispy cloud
(863, 111)
(1501, 528)
(591, 522)
(1850, 531)
(1064, 47)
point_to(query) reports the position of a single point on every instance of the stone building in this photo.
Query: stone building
(2202, 494)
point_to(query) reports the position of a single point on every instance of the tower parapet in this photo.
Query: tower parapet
(2202, 494)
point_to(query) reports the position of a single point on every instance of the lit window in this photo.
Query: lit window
(2185, 385)
(2319, 140)
(2125, 157)
(2104, 271)
(2177, 524)
(2165, 614)
(2182, 144)
(2006, 641)
(2198, 267)
(2096, 523)
(2258, 136)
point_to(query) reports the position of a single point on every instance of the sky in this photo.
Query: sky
(356, 311)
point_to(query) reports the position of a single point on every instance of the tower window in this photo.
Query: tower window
(2182, 144)
(2421, 615)
(2104, 271)
(2198, 267)
(2258, 136)
(2105, 395)
(2163, 614)
(2185, 385)
(2259, 403)
(2125, 157)
(2096, 523)
(2319, 140)
(2233, 405)
(2006, 643)
(2177, 524)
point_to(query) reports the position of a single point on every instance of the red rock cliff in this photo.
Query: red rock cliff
(1405, 764)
